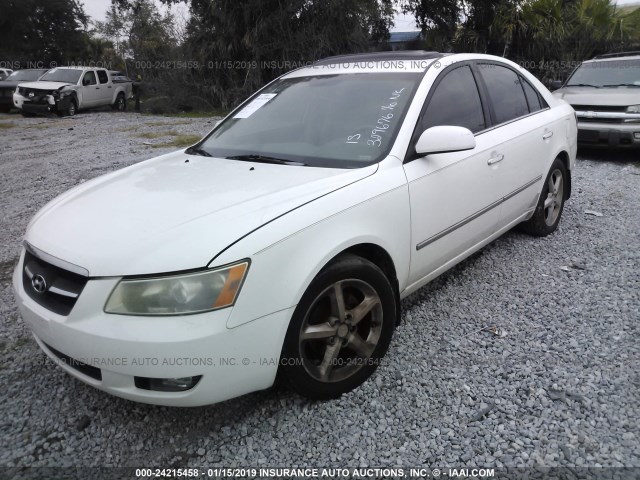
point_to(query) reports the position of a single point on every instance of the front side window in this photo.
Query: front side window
(89, 78)
(607, 73)
(455, 102)
(505, 92)
(343, 120)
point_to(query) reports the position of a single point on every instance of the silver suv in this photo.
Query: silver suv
(605, 93)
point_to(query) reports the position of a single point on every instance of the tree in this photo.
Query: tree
(244, 44)
(438, 20)
(42, 30)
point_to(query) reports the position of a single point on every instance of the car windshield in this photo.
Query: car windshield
(607, 73)
(62, 75)
(342, 121)
(28, 75)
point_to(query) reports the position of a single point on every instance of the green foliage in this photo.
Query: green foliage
(438, 20)
(39, 30)
(261, 37)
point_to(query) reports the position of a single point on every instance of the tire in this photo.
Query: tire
(71, 110)
(120, 104)
(5, 108)
(546, 216)
(343, 347)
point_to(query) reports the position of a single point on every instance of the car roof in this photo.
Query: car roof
(380, 56)
(410, 61)
(615, 57)
(79, 67)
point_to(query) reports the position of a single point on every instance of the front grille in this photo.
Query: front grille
(88, 370)
(600, 120)
(52, 287)
(599, 108)
(34, 94)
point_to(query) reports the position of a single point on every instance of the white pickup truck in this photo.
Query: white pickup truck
(65, 90)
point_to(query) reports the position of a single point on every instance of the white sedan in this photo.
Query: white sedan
(284, 241)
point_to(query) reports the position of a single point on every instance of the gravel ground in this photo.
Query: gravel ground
(558, 385)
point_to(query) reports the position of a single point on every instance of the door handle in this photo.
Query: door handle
(496, 159)
(547, 135)
(97, 88)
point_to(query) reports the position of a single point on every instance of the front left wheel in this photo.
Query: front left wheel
(340, 330)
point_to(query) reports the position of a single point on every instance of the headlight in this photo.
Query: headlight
(178, 295)
(633, 109)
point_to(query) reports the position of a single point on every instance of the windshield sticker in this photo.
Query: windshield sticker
(255, 105)
(382, 124)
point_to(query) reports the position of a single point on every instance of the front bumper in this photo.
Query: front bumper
(47, 105)
(231, 361)
(612, 135)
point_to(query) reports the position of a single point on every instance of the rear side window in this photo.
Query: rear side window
(102, 76)
(456, 102)
(533, 98)
(505, 91)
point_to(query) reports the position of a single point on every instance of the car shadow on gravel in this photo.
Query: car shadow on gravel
(610, 155)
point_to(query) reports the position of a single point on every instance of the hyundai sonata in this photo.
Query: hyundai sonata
(283, 242)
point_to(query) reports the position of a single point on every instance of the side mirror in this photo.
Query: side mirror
(445, 139)
(555, 85)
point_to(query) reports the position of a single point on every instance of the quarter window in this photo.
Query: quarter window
(102, 76)
(456, 102)
(505, 91)
(533, 99)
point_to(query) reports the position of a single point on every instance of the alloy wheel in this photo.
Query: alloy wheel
(555, 197)
(341, 330)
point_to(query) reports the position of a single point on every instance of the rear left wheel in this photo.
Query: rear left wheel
(340, 330)
(546, 216)
(120, 104)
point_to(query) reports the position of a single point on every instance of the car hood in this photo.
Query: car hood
(44, 85)
(617, 96)
(174, 212)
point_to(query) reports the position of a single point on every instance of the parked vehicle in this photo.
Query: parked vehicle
(605, 93)
(118, 76)
(65, 90)
(286, 238)
(9, 85)
(5, 72)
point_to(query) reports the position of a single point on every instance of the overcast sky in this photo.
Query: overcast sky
(403, 23)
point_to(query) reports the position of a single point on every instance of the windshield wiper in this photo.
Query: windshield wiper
(197, 151)
(265, 159)
(622, 85)
(582, 85)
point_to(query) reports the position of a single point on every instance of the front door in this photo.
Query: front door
(453, 195)
(90, 89)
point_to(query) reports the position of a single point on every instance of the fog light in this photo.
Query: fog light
(636, 135)
(167, 384)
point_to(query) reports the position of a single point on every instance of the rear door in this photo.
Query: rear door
(453, 195)
(522, 127)
(105, 88)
